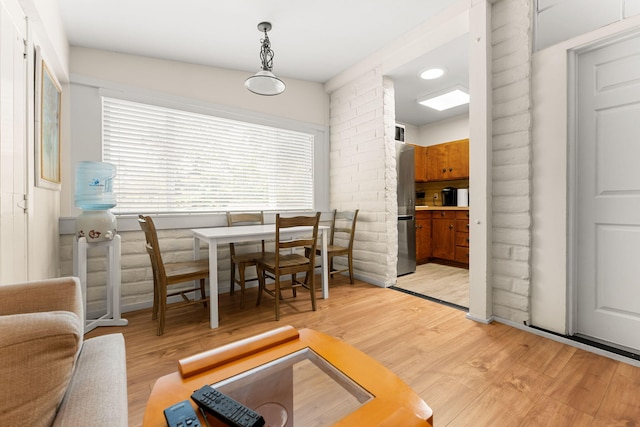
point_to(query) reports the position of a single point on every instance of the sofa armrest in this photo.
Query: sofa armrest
(37, 352)
(60, 294)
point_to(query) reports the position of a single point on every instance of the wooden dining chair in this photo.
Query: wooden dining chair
(343, 230)
(289, 258)
(241, 258)
(170, 274)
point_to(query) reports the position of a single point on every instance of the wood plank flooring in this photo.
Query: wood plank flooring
(442, 282)
(470, 374)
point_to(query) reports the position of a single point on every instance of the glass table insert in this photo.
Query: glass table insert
(300, 389)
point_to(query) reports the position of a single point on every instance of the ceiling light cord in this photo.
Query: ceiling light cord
(266, 54)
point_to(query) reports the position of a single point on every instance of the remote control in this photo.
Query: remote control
(181, 415)
(226, 409)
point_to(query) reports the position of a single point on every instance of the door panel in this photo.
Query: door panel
(13, 85)
(608, 193)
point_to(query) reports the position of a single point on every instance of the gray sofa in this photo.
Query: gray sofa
(50, 375)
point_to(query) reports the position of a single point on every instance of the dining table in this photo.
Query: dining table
(215, 236)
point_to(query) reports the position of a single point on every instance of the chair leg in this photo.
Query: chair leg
(154, 312)
(277, 297)
(293, 283)
(312, 290)
(162, 303)
(241, 272)
(260, 273)
(203, 293)
(350, 261)
(232, 283)
(330, 270)
(156, 299)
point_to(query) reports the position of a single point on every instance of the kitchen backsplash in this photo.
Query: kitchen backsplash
(427, 190)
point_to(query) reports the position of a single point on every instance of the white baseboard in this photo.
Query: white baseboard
(577, 344)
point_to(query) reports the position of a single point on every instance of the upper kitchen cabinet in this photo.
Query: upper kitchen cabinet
(448, 161)
(420, 160)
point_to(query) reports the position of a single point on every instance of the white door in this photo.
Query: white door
(13, 148)
(608, 193)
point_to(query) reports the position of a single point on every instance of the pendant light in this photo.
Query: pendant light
(264, 82)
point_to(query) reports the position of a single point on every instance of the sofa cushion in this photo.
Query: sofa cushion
(37, 356)
(97, 394)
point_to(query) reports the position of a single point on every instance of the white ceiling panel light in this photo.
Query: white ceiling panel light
(432, 73)
(451, 98)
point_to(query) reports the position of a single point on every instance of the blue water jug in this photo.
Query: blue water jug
(94, 186)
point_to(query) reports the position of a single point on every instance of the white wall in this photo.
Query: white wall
(140, 78)
(554, 26)
(511, 30)
(550, 294)
(452, 129)
(410, 134)
(362, 129)
(45, 31)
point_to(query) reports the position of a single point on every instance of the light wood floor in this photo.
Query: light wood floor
(450, 284)
(470, 374)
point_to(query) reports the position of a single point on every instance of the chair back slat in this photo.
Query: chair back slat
(244, 218)
(309, 239)
(153, 246)
(344, 227)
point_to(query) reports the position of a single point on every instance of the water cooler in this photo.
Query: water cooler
(96, 228)
(94, 195)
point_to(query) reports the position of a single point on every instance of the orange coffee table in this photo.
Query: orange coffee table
(291, 377)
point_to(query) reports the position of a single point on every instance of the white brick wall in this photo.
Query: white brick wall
(511, 211)
(362, 117)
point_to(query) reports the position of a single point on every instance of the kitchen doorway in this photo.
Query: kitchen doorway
(441, 283)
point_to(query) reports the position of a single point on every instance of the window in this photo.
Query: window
(173, 161)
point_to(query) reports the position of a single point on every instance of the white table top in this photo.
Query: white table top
(237, 232)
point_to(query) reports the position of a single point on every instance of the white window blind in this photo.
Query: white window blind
(173, 161)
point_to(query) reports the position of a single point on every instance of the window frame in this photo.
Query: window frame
(127, 222)
(202, 122)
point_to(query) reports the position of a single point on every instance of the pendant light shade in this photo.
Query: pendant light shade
(264, 82)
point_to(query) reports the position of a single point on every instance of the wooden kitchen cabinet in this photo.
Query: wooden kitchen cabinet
(447, 161)
(462, 237)
(450, 237)
(420, 162)
(423, 236)
(443, 235)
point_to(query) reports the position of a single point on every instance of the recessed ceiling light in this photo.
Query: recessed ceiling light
(447, 100)
(432, 73)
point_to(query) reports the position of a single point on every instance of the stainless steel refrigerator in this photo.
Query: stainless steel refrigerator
(406, 209)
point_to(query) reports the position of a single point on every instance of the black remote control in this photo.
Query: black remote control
(181, 415)
(226, 409)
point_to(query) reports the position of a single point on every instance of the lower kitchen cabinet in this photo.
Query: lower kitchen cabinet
(423, 236)
(443, 235)
(462, 237)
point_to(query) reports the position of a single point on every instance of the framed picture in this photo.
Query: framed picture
(48, 104)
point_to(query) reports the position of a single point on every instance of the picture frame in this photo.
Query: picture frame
(48, 111)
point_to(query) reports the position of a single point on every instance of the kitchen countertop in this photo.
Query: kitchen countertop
(442, 208)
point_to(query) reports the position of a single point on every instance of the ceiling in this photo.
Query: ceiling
(312, 41)
(409, 87)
